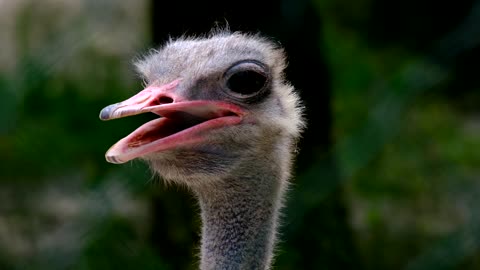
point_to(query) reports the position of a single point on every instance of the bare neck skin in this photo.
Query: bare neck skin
(239, 221)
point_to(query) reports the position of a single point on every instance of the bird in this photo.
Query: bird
(227, 127)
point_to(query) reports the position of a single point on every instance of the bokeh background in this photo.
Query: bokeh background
(388, 172)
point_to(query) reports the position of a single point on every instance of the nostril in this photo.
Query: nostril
(165, 100)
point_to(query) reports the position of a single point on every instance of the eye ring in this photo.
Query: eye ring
(247, 79)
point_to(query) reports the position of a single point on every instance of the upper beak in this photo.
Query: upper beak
(164, 101)
(144, 101)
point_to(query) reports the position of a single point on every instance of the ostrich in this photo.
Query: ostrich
(227, 130)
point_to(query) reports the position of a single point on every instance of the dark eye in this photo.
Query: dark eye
(246, 82)
(246, 78)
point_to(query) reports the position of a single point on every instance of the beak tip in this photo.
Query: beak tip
(105, 113)
(113, 159)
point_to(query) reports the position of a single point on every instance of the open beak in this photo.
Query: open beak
(181, 122)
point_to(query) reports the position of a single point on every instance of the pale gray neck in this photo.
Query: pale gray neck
(239, 219)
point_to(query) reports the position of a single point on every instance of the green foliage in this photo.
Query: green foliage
(114, 245)
(407, 152)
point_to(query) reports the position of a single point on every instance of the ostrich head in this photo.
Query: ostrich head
(227, 125)
(222, 102)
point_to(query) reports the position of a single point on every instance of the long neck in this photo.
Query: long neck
(239, 219)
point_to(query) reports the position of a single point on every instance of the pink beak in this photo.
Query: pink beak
(182, 122)
(145, 101)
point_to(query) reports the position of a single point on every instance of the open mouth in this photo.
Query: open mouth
(180, 124)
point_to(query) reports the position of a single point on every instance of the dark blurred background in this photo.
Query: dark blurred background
(389, 168)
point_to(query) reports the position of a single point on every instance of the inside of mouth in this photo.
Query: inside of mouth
(171, 121)
(163, 127)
